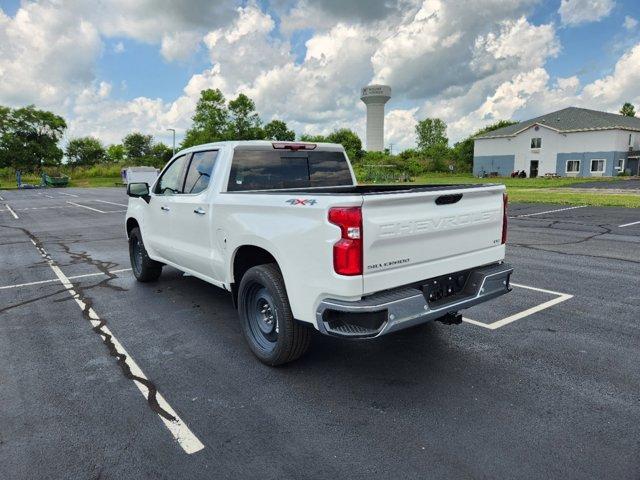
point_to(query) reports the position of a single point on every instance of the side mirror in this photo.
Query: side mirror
(139, 190)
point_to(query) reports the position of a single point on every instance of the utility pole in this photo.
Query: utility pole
(174, 139)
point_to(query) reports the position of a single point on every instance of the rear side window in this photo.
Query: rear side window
(170, 182)
(199, 172)
(276, 169)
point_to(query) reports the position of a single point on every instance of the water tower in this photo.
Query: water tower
(374, 97)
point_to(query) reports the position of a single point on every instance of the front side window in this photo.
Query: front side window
(255, 169)
(536, 143)
(573, 166)
(620, 165)
(597, 166)
(170, 183)
(199, 172)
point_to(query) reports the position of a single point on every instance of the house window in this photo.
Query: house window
(620, 165)
(597, 166)
(629, 139)
(536, 142)
(573, 166)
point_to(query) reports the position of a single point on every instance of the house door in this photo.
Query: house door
(632, 166)
(533, 169)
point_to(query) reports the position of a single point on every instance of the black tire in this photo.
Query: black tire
(272, 333)
(144, 269)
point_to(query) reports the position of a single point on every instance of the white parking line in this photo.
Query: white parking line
(11, 211)
(111, 203)
(49, 196)
(84, 206)
(548, 211)
(95, 209)
(561, 297)
(68, 194)
(40, 282)
(183, 435)
(42, 208)
(1, 198)
(628, 224)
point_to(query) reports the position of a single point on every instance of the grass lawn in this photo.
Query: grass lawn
(525, 190)
(532, 195)
(108, 181)
(540, 182)
(546, 190)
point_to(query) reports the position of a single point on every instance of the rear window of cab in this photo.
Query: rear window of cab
(253, 169)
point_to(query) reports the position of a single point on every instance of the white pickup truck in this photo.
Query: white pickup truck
(285, 228)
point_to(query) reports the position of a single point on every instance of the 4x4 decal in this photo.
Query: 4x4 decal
(302, 201)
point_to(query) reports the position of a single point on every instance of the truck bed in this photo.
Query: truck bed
(372, 189)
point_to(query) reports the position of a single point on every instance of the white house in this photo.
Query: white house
(569, 142)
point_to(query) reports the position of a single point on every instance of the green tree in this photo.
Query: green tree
(115, 153)
(277, 130)
(29, 138)
(244, 122)
(463, 150)
(85, 151)
(210, 121)
(628, 110)
(160, 154)
(305, 137)
(349, 140)
(431, 132)
(137, 145)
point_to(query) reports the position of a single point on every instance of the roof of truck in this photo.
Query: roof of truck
(260, 143)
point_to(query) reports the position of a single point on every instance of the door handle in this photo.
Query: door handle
(165, 208)
(199, 211)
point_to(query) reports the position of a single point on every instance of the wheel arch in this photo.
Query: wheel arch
(244, 258)
(131, 224)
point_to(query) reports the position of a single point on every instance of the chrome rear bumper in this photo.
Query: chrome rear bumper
(404, 307)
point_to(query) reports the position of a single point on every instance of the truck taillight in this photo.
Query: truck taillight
(505, 201)
(347, 252)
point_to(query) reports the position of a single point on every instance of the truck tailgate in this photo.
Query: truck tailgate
(413, 236)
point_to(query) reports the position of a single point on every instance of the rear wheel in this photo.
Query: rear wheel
(272, 333)
(144, 269)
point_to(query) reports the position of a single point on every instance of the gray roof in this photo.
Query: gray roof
(571, 119)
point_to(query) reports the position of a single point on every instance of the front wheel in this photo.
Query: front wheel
(144, 269)
(272, 333)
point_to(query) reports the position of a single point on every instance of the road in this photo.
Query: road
(517, 391)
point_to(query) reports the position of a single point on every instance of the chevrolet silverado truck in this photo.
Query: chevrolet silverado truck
(286, 229)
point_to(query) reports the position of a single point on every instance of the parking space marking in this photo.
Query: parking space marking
(42, 208)
(84, 206)
(68, 194)
(94, 209)
(183, 435)
(49, 196)
(111, 203)
(11, 211)
(561, 297)
(40, 282)
(628, 224)
(548, 211)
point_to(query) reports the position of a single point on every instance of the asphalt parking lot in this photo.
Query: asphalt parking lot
(540, 383)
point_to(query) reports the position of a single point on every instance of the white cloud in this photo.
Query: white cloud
(179, 45)
(469, 70)
(35, 65)
(575, 12)
(400, 129)
(630, 23)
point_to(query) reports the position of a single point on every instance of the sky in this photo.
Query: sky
(114, 66)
